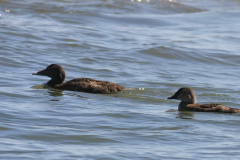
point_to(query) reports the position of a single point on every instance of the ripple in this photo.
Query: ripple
(151, 47)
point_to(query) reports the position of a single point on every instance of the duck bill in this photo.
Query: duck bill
(173, 97)
(40, 73)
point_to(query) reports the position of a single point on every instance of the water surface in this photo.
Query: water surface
(151, 47)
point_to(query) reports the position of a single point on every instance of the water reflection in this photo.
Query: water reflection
(186, 115)
(55, 92)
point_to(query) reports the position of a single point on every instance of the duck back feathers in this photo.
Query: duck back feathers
(90, 85)
(209, 108)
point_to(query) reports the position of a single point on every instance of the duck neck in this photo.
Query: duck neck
(54, 82)
(183, 104)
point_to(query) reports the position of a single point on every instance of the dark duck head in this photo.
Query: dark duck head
(54, 71)
(186, 95)
(188, 103)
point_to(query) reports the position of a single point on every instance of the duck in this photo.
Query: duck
(57, 75)
(188, 103)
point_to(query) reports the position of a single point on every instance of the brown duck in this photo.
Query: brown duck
(188, 103)
(57, 73)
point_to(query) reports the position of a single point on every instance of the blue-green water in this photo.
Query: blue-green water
(151, 47)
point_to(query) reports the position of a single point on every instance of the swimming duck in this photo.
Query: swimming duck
(188, 103)
(57, 73)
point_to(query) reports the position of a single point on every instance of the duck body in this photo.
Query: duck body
(207, 108)
(188, 103)
(57, 73)
(89, 85)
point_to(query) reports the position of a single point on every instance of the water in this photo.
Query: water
(151, 47)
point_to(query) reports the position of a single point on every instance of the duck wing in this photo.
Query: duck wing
(90, 85)
(211, 108)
